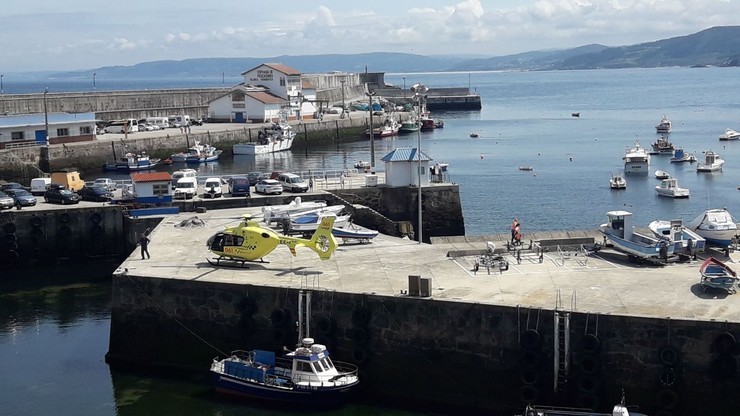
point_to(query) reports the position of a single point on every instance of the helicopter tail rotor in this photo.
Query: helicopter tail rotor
(322, 241)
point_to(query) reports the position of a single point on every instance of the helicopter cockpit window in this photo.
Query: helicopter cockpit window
(233, 240)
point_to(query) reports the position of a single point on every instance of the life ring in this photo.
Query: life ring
(590, 344)
(588, 401)
(326, 325)
(667, 399)
(725, 343)
(530, 376)
(529, 394)
(668, 377)
(531, 340)
(589, 384)
(669, 356)
(64, 232)
(361, 315)
(37, 233)
(9, 228)
(531, 359)
(64, 217)
(361, 355)
(247, 306)
(589, 364)
(96, 217)
(36, 221)
(279, 317)
(360, 335)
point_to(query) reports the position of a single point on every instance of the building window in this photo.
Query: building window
(85, 130)
(237, 96)
(62, 132)
(161, 188)
(17, 135)
(282, 81)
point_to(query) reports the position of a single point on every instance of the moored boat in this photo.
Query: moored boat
(636, 160)
(409, 126)
(389, 128)
(305, 376)
(661, 174)
(665, 125)
(620, 232)
(663, 146)
(133, 162)
(685, 241)
(729, 134)
(617, 182)
(716, 226)
(718, 275)
(198, 153)
(712, 162)
(669, 188)
(679, 155)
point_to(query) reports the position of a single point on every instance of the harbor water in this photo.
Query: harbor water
(54, 334)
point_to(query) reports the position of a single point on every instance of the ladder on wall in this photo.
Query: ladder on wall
(561, 342)
(304, 314)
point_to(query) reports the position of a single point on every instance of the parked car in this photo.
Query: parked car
(95, 193)
(146, 127)
(212, 188)
(21, 196)
(239, 186)
(6, 201)
(40, 185)
(106, 183)
(275, 174)
(254, 177)
(292, 182)
(12, 185)
(268, 186)
(61, 195)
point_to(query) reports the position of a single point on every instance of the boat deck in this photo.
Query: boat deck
(604, 282)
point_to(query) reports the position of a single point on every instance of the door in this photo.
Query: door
(40, 136)
(239, 117)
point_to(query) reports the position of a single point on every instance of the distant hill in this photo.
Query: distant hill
(717, 46)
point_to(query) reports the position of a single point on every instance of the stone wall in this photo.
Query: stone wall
(443, 353)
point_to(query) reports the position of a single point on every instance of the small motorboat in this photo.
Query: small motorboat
(474, 135)
(669, 187)
(617, 182)
(362, 165)
(664, 126)
(661, 174)
(352, 232)
(712, 162)
(685, 241)
(717, 275)
(716, 226)
(526, 168)
(621, 233)
(730, 134)
(679, 155)
(575, 114)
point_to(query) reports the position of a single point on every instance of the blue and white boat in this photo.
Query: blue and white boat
(199, 153)
(679, 155)
(684, 240)
(131, 162)
(353, 232)
(716, 226)
(306, 376)
(619, 231)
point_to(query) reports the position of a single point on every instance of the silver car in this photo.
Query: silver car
(8, 202)
(268, 186)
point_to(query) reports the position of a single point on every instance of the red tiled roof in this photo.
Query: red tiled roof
(151, 177)
(266, 97)
(285, 69)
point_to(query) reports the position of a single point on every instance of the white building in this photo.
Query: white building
(402, 167)
(152, 187)
(30, 129)
(267, 89)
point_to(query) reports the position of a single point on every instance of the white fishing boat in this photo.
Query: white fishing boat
(619, 231)
(712, 162)
(636, 160)
(389, 128)
(309, 222)
(716, 226)
(277, 138)
(661, 174)
(198, 153)
(665, 125)
(296, 206)
(669, 188)
(617, 182)
(684, 240)
(663, 146)
(679, 156)
(729, 134)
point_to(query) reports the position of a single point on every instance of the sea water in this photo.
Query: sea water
(53, 337)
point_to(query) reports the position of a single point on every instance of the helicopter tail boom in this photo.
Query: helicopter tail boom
(322, 241)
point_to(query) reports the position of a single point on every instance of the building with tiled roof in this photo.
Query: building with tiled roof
(152, 187)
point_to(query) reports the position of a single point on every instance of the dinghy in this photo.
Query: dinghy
(717, 275)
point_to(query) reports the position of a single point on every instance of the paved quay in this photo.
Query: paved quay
(602, 283)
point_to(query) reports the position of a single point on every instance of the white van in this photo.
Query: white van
(184, 173)
(213, 188)
(40, 185)
(161, 122)
(186, 188)
(129, 125)
(180, 120)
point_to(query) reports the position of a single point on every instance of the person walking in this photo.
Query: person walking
(310, 183)
(514, 226)
(144, 243)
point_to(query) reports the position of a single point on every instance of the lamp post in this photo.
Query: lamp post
(94, 80)
(370, 95)
(404, 88)
(1, 83)
(342, 81)
(419, 91)
(223, 80)
(46, 117)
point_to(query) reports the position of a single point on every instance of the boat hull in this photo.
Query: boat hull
(716, 226)
(308, 395)
(260, 149)
(657, 250)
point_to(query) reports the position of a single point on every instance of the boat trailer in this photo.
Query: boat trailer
(491, 260)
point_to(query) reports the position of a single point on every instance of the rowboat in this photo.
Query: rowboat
(715, 274)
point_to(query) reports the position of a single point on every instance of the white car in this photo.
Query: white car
(212, 188)
(292, 182)
(106, 183)
(268, 186)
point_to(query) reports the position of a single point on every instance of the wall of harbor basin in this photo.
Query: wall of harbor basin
(445, 353)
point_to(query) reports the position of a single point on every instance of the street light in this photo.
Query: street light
(404, 88)
(342, 81)
(370, 95)
(46, 116)
(94, 79)
(223, 80)
(1, 83)
(420, 91)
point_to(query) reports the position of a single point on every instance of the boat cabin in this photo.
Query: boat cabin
(619, 223)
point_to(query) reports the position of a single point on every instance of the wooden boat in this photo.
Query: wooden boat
(305, 376)
(620, 232)
(661, 174)
(718, 275)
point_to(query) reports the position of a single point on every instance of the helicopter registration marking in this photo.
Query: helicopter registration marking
(239, 250)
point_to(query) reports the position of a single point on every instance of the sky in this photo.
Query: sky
(39, 35)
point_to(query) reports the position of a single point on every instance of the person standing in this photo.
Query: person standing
(341, 180)
(514, 226)
(144, 243)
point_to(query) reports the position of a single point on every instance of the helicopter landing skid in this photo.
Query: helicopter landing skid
(230, 262)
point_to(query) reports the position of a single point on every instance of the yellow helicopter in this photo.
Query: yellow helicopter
(249, 241)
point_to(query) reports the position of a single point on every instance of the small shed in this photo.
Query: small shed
(404, 165)
(152, 187)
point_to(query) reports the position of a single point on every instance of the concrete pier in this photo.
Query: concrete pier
(478, 339)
